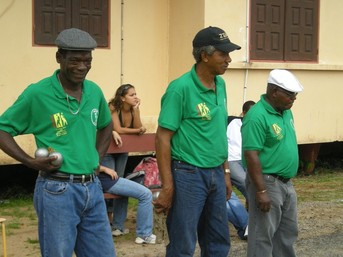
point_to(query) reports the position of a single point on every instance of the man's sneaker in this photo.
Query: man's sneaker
(245, 237)
(118, 232)
(147, 240)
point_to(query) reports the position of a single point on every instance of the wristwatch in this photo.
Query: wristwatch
(227, 171)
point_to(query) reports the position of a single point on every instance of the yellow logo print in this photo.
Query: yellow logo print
(278, 131)
(59, 120)
(60, 123)
(204, 111)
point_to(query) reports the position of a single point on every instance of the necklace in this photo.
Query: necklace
(71, 111)
(67, 96)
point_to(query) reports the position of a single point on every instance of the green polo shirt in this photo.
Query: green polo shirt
(43, 110)
(273, 135)
(198, 116)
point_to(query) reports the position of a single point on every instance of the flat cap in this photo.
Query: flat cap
(285, 80)
(75, 40)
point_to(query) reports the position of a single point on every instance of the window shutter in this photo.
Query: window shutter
(53, 16)
(301, 30)
(92, 16)
(267, 26)
(50, 18)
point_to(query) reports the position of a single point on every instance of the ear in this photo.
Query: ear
(204, 56)
(58, 57)
(274, 92)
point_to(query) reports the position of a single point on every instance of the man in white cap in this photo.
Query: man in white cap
(271, 156)
(68, 114)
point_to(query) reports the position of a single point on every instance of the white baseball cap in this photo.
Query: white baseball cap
(285, 80)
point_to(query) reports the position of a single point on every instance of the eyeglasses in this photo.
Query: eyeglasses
(288, 93)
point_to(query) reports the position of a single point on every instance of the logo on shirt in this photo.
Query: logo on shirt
(277, 131)
(204, 111)
(60, 123)
(94, 116)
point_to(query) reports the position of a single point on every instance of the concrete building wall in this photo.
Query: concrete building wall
(151, 44)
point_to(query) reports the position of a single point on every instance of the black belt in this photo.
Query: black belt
(282, 179)
(66, 177)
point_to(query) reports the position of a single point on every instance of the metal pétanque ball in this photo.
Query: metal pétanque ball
(59, 159)
(41, 152)
(155, 195)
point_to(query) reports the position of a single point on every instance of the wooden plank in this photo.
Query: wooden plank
(111, 196)
(134, 143)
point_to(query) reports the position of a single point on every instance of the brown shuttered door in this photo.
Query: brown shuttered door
(301, 31)
(92, 16)
(284, 30)
(267, 26)
(52, 16)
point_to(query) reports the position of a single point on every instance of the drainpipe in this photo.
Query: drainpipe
(121, 42)
(247, 49)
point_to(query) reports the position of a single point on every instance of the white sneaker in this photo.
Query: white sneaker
(148, 240)
(246, 232)
(118, 232)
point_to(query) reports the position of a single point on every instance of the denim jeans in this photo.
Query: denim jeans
(198, 210)
(144, 209)
(238, 175)
(72, 217)
(117, 162)
(237, 214)
(273, 233)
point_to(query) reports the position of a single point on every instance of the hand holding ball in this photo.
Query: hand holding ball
(41, 152)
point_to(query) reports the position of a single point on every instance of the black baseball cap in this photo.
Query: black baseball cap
(216, 37)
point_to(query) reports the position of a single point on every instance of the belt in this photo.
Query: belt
(66, 177)
(282, 179)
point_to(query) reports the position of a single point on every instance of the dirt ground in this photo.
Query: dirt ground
(320, 224)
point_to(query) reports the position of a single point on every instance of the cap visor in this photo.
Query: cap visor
(228, 47)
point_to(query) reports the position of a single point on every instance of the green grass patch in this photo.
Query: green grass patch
(325, 185)
(32, 241)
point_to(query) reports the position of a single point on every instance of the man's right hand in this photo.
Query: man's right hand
(263, 201)
(164, 201)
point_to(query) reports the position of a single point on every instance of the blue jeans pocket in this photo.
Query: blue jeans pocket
(182, 166)
(55, 187)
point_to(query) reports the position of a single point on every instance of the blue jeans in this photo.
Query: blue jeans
(238, 175)
(198, 210)
(72, 217)
(237, 214)
(132, 189)
(117, 162)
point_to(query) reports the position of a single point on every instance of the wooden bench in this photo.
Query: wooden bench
(132, 144)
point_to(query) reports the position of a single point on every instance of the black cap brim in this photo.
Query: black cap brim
(227, 48)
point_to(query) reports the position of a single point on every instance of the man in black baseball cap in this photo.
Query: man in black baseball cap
(192, 151)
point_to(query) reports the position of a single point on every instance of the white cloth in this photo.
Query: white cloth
(234, 140)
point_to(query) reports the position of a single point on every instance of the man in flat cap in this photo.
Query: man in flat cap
(67, 114)
(191, 148)
(271, 155)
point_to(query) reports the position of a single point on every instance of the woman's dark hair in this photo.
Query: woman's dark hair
(116, 103)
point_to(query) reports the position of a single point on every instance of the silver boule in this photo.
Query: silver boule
(41, 152)
(59, 160)
(155, 195)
